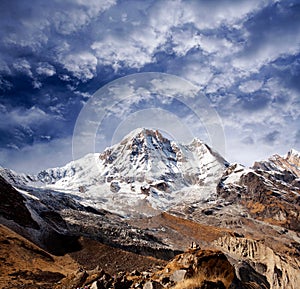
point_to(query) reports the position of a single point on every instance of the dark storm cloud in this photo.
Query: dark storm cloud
(37, 89)
(55, 54)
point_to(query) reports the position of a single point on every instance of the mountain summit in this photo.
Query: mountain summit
(153, 196)
(146, 156)
(287, 163)
(143, 173)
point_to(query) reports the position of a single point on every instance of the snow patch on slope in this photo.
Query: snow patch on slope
(142, 173)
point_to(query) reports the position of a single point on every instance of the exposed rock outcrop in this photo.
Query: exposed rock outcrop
(151, 197)
(13, 206)
(256, 262)
(195, 268)
(270, 191)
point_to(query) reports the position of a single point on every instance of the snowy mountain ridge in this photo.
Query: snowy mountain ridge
(290, 162)
(143, 173)
(154, 196)
(146, 173)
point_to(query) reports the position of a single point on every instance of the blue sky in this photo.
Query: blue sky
(54, 55)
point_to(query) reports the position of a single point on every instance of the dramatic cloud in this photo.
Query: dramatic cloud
(243, 55)
(271, 137)
(81, 65)
(250, 86)
(272, 34)
(45, 69)
(51, 153)
(23, 66)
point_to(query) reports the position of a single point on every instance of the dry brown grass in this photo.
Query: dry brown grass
(198, 280)
(255, 207)
(111, 259)
(190, 228)
(23, 263)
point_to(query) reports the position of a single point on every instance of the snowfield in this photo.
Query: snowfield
(143, 173)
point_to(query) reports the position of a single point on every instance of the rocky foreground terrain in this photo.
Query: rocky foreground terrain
(152, 213)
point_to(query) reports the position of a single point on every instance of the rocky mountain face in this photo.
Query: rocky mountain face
(270, 190)
(152, 197)
(269, 194)
(143, 173)
(287, 166)
(196, 268)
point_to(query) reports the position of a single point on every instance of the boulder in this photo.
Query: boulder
(178, 275)
(115, 187)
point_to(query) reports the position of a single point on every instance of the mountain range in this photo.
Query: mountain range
(149, 198)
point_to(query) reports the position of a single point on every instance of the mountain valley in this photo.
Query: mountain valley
(149, 212)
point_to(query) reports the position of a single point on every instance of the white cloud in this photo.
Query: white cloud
(199, 74)
(164, 15)
(4, 67)
(5, 85)
(166, 19)
(163, 120)
(65, 77)
(285, 103)
(23, 66)
(172, 86)
(75, 15)
(270, 37)
(203, 14)
(24, 117)
(33, 33)
(270, 49)
(82, 65)
(250, 86)
(36, 84)
(222, 81)
(270, 128)
(221, 46)
(119, 52)
(184, 41)
(46, 69)
(32, 159)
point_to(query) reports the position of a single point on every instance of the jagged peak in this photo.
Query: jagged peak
(144, 133)
(196, 142)
(292, 152)
(281, 163)
(275, 157)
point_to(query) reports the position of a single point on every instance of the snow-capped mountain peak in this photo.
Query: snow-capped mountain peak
(137, 153)
(293, 152)
(289, 162)
(145, 171)
(293, 157)
(148, 155)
